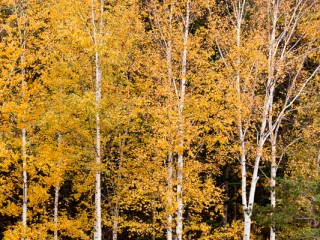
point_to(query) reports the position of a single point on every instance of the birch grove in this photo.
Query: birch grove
(159, 119)
(278, 51)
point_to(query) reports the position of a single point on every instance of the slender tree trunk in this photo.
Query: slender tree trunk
(170, 197)
(247, 226)
(240, 7)
(97, 43)
(98, 233)
(170, 166)
(273, 141)
(56, 198)
(248, 203)
(273, 186)
(116, 207)
(24, 159)
(262, 138)
(23, 130)
(273, 136)
(248, 209)
(170, 155)
(25, 183)
(115, 222)
(179, 228)
(56, 205)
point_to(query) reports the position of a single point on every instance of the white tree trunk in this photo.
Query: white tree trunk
(169, 218)
(116, 207)
(56, 198)
(25, 183)
(97, 43)
(56, 205)
(273, 137)
(170, 166)
(275, 43)
(115, 222)
(179, 227)
(98, 233)
(239, 6)
(247, 208)
(273, 188)
(247, 226)
(23, 130)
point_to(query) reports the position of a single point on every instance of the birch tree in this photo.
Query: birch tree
(22, 30)
(56, 197)
(97, 30)
(239, 9)
(166, 32)
(281, 57)
(179, 228)
(19, 80)
(139, 119)
(280, 46)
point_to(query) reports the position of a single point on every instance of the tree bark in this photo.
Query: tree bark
(56, 198)
(273, 136)
(170, 156)
(179, 228)
(24, 160)
(98, 153)
(273, 187)
(25, 183)
(247, 209)
(247, 226)
(169, 218)
(115, 222)
(98, 83)
(23, 130)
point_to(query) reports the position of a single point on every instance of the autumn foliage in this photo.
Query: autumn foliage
(153, 119)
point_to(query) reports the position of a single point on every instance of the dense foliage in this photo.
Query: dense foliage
(150, 119)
